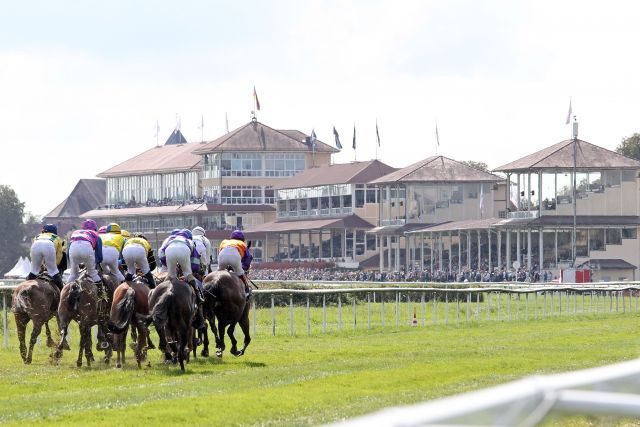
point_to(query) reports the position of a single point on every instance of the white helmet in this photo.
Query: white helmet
(198, 231)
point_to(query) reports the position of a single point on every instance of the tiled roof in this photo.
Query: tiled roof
(165, 158)
(438, 169)
(351, 221)
(560, 156)
(344, 173)
(255, 136)
(86, 195)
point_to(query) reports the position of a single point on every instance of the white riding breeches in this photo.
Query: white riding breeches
(109, 262)
(179, 254)
(43, 251)
(81, 252)
(230, 256)
(135, 256)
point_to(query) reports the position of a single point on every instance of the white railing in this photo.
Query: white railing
(523, 214)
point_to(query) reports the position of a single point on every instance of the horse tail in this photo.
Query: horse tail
(23, 300)
(74, 295)
(160, 313)
(124, 310)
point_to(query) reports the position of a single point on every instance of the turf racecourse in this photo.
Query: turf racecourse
(309, 380)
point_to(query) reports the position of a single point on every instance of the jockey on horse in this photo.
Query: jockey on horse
(48, 249)
(112, 243)
(86, 248)
(235, 254)
(138, 253)
(179, 250)
(203, 245)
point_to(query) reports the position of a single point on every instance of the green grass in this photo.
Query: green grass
(309, 380)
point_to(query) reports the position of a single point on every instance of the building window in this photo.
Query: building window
(283, 164)
(241, 195)
(241, 164)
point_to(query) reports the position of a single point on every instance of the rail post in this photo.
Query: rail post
(5, 327)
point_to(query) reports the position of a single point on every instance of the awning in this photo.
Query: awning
(469, 224)
(610, 264)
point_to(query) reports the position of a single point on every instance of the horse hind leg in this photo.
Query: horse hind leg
(50, 342)
(220, 339)
(234, 341)
(83, 341)
(37, 328)
(21, 325)
(244, 325)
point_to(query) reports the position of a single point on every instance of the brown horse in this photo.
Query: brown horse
(81, 301)
(130, 305)
(173, 307)
(225, 298)
(37, 301)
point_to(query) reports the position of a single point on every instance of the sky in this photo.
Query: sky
(83, 84)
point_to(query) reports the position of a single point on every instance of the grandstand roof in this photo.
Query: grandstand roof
(175, 210)
(351, 221)
(438, 169)
(560, 156)
(86, 195)
(343, 173)
(255, 136)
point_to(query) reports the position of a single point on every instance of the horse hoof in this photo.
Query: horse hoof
(104, 345)
(151, 345)
(51, 343)
(219, 353)
(204, 352)
(118, 365)
(79, 364)
(65, 345)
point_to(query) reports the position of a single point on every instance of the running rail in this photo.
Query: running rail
(607, 390)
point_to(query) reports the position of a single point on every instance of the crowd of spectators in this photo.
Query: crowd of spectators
(156, 202)
(323, 271)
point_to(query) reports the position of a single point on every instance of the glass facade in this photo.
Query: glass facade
(252, 164)
(239, 194)
(326, 200)
(151, 188)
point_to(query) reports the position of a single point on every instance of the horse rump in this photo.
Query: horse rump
(122, 312)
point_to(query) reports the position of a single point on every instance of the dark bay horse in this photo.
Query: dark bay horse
(37, 301)
(173, 307)
(225, 298)
(130, 306)
(81, 301)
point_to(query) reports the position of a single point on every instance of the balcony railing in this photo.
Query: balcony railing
(523, 215)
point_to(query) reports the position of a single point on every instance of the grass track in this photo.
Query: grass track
(302, 380)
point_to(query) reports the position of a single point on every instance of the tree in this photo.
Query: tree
(477, 165)
(11, 228)
(630, 146)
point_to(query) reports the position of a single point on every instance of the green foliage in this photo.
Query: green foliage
(11, 228)
(630, 146)
(477, 165)
(311, 380)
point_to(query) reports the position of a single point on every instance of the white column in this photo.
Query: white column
(541, 249)
(450, 246)
(529, 249)
(479, 250)
(381, 252)
(421, 251)
(389, 248)
(508, 249)
(499, 249)
(459, 251)
(353, 253)
(489, 240)
(431, 249)
(518, 247)
(397, 267)
(440, 250)
(469, 249)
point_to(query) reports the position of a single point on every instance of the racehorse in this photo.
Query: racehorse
(173, 308)
(130, 305)
(37, 301)
(225, 298)
(81, 301)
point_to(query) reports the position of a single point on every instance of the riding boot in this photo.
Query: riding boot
(128, 277)
(31, 276)
(151, 281)
(197, 290)
(57, 280)
(247, 288)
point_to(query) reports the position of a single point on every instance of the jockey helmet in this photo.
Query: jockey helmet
(185, 232)
(140, 235)
(50, 228)
(125, 233)
(238, 235)
(198, 231)
(102, 229)
(89, 224)
(113, 228)
(174, 231)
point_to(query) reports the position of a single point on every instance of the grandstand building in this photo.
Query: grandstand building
(323, 213)
(221, 185)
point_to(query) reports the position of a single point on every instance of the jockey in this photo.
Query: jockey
(138, 253)
(234, 253)
(181, 251)
(203, 245)
(102, 229)
(163, 267)
(48, 248)
(112, 244)
(85, 248)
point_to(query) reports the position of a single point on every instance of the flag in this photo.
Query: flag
(377, 134)
(354, 136)
(226, 120)
(313, 139)
(437, 136)
(337, 138)
(157, 128)
(569, 113)
(255, 98)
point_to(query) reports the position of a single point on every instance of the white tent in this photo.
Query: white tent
(20, 270)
